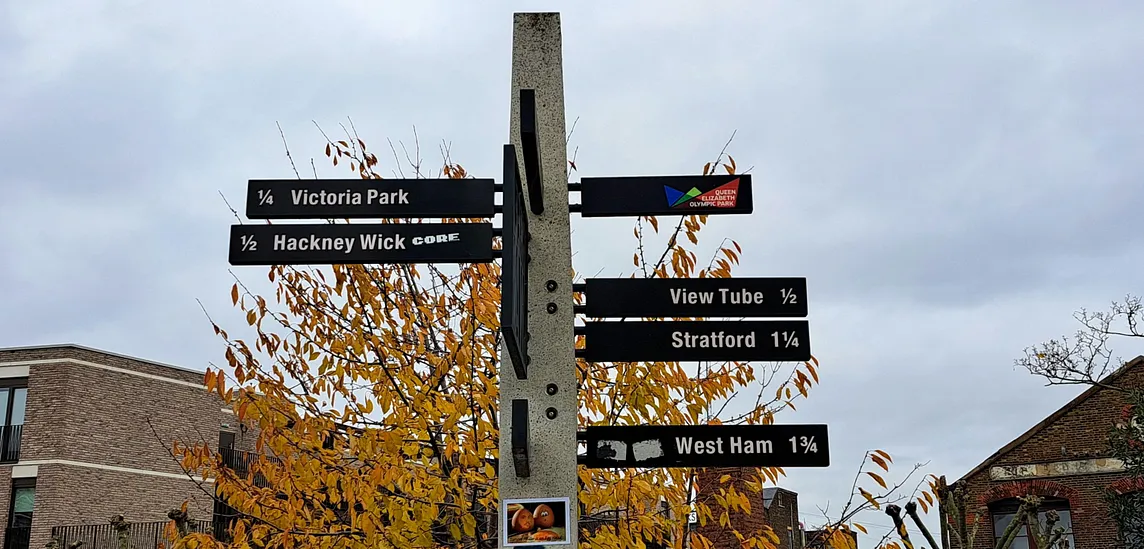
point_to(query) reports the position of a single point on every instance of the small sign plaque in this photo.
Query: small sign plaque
(707, 446)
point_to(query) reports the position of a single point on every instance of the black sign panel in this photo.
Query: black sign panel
(665, 195)
(668, 341)
(514, 268)
(368, 198)
(345, 244)
(707, 446)
(695, 297)
(530, 150)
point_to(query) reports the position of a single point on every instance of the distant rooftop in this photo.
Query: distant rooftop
(769, 494)
(100, 351)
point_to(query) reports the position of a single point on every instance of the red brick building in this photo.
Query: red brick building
(1065, 460)
(86, 435)
(774, 506)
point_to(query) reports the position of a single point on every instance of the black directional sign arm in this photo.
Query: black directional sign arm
(514, 267)
(368, 198)
(357, 244)
(707, 446)
(672, 341)
(665, 195)
(779, 297)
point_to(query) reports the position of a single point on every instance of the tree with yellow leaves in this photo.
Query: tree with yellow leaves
(373, 393)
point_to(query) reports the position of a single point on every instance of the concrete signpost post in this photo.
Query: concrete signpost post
(538, 411)
(537, 473)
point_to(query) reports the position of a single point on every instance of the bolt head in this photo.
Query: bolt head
(551, 413)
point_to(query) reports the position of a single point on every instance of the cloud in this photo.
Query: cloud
(953, 178)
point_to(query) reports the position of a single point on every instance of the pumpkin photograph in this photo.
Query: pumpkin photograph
(536, 521)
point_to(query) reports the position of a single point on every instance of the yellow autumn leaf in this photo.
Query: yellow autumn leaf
(877, 479)
(870, 498)
(840, 540)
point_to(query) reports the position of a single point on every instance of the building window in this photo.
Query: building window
(19, 530)
(13, 400)
(23, 501)
(1006, 510)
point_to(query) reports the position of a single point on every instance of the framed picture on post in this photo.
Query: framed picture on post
(533, 522)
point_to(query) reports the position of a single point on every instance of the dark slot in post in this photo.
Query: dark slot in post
(520, 437)
(530, 148)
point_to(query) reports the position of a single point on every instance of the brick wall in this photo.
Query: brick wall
(112, 419)
(96, 416)
(1080, 432)
(6, 493)
(782, 515)
(69, 495)
(707, 484)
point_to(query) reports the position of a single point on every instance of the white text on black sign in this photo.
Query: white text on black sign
(349, 197)
(727, 296)
(368, 242)
(736, 445)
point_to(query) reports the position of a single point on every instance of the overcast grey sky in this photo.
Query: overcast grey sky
(954, 178)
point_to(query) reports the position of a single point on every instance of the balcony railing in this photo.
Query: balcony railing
(242, 462)
(10, 443)
(141, 535)
(17, 538)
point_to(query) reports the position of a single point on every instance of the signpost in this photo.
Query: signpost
(539, 485)
(742, 340)
(345, 244)
(538, 412)
(707, 446)
(665, 195)
(695, 297)
(368, 198)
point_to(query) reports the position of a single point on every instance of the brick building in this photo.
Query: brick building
(773, 506)
(86, 434)
(1064, 459)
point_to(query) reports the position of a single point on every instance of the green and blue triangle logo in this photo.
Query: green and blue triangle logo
(676, 197)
